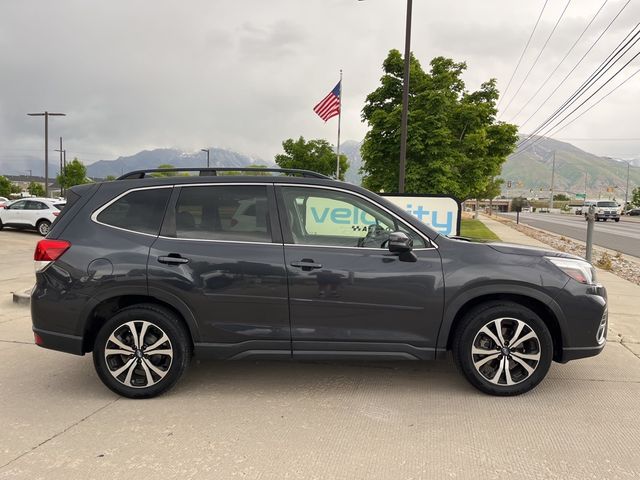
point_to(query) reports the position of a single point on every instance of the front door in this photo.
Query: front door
(221, 253)
(15, 214)
(348, 293)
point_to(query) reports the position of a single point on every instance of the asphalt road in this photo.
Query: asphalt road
(305, 420)
(623, 236)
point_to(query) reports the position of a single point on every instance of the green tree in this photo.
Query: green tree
(36, 189)
(455, 145)
(316, 155)
(519, 203)
(73, 173)
(635, 197)
(110, 178)
(168, 174)
(5, 187)
(561, 197)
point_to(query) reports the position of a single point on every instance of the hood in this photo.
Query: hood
(515, 249)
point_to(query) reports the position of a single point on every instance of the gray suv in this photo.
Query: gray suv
(146, 272)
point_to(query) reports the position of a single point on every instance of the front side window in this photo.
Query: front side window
(224, 212)
(335, 218)
(139, 210)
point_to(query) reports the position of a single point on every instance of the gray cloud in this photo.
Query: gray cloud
(245, 75)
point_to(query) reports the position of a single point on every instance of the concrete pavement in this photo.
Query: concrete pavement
(305, 420)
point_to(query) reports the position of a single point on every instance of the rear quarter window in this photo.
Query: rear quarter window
(139, 211)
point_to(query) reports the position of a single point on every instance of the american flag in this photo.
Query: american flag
(329, 106)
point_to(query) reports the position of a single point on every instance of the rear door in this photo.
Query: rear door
(348, 293)
(220, 251)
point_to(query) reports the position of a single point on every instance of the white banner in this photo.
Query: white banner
(440, 213)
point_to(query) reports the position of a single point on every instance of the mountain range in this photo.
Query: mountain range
(527, 172)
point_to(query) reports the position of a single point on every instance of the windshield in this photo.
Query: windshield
(59, 206)
(608, 204)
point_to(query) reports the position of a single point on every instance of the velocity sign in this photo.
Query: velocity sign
(441, 213)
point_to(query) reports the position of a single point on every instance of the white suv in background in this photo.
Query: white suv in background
(32, 213)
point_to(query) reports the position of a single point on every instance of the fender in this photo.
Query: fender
(142, 291)
(454, 306)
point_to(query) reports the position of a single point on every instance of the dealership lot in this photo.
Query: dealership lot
(307, 420)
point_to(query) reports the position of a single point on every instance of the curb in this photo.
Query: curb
(22, 298)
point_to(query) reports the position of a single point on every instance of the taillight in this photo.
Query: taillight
(48, 251)
(234, 222)
(55, 214)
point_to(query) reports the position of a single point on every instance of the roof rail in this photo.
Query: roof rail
(213, 171)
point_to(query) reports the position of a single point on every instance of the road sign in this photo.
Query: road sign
(581, 195)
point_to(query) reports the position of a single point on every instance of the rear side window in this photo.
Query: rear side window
(140, 211)
(225, 212)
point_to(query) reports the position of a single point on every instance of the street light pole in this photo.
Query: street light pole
(206, 150)
(46, 115)
(405, 100)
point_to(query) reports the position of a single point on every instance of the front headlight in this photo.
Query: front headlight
(579, 270)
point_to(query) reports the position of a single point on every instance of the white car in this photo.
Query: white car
(38, 213)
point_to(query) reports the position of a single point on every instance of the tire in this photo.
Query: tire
(1, 225)
(617, 220)
(527, 363)
(142, 374)
(43, 227)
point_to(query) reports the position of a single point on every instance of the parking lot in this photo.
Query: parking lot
(306, 420)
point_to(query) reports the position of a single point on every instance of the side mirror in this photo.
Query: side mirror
(400, 242)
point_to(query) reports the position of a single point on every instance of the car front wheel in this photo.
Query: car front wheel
(503, 348)
(142, 351)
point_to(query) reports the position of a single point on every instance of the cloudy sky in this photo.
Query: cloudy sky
(245, 74)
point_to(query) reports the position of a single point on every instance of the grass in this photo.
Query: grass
(476, 229)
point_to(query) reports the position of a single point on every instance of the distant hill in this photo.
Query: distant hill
(152, 158)
(351, 149)
(531, 170)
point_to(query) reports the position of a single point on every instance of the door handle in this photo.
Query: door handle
(173, 259)
(306, 266)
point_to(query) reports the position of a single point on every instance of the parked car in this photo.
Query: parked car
(325, 270)
(633, 212)
(32, 213)
(606, 210)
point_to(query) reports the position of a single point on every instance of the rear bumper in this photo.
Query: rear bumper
(59, 341)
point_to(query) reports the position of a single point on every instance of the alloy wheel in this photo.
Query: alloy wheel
(506, 351)
(138, 354)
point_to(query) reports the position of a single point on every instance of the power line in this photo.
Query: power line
(522, 54)
(604, 67)
(542, 136)
(577, 63)
(535, 62)
(561, 61)
(600, 100)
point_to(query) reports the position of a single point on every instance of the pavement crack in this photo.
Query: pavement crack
(56, 435)
(16, 341)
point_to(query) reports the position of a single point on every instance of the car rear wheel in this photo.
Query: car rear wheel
(503, 348)
(43, 227)
(142, 351)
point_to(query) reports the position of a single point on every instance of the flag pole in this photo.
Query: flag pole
(339, 119)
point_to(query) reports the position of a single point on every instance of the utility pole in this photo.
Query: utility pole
(585, 186)
(206, 150)
(405, 100)
(61, 167)
(626, 192)
(553, 171)
(46, 116)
